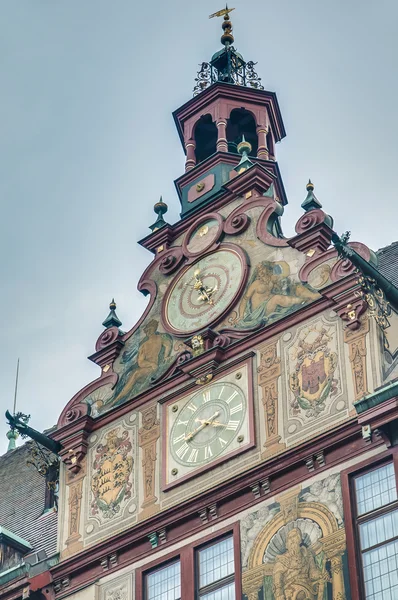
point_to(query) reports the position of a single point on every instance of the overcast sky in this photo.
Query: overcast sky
(88, 143)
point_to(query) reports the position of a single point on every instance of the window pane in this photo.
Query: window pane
(375, 489)
(165, 583)
(380, 568)
(379, 530)
(215, 563)
(225, 593)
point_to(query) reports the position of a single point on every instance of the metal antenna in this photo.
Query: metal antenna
(16, 389)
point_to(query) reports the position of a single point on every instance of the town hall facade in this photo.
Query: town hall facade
(240, 440)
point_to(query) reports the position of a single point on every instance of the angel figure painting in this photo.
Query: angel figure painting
(147, 355)
(271, 294)
(143, 360)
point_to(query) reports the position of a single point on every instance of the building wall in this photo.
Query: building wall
(314, 509)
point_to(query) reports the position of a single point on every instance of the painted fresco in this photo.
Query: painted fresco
(314, 379)
(147, 354)
(111, 492)
(144, 357)
(320, 276)
(272, 292)
(295, 549)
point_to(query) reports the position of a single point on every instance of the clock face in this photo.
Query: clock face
(204, 291)
(203, 236)
(207, 424)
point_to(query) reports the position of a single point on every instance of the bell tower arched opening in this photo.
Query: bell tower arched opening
(241, 122)
(205, 138)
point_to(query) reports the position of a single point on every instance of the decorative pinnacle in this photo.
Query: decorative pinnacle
(311, 202)
(160, 208)
(112, 319)
(244, 148)
(227, 38)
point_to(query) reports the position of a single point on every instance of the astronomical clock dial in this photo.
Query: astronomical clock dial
(208, 425)
(204, 291)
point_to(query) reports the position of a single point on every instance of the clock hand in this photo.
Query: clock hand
(205, 293)
(218, 424)
(204, 424)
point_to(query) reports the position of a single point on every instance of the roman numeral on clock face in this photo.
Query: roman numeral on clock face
(232, 396)
(182, 450)
(207, 396)
(180, 438)
(236, 408)
(233, 425)
(193, 457)
(208, 452)
(192, 407)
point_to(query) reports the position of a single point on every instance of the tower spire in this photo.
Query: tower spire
(226, 65)
(227, 38)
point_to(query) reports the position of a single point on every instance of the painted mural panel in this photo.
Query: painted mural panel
(111, 483)
(314, 383)
(295, 548)
(273, 291)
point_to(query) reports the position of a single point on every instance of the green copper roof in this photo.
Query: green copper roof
(372, 400)
(13, 540)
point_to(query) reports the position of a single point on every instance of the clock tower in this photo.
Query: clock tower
(240, 439)
(229, 105)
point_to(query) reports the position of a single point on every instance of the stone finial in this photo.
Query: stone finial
(244, 148)
(311, 202)
(112, 319)
(160, 208)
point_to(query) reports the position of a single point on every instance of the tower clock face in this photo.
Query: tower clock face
(208, 425)
(204, 291)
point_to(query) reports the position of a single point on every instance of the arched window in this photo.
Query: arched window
(205, 138)
(241, 122)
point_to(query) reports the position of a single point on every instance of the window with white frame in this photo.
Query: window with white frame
(376, 511)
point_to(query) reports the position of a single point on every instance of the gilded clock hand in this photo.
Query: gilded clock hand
(213, 423)
(205, 293)
(204, 424)
(218, 424)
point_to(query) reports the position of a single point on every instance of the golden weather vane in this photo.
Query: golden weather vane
(221, 13)
(227, 38)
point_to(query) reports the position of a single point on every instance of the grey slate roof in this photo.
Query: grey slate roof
(388, 262)
(22, 502)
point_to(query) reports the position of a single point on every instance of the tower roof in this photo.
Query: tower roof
(226, 65)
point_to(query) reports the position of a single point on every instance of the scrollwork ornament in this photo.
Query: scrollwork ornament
(202, 79)
(73, 414)
(342, 268)
(221, 341)
(107, 338)
(310, 220)
(171, 261)
(237, 224)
